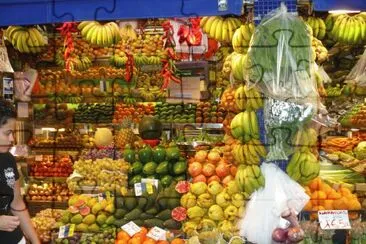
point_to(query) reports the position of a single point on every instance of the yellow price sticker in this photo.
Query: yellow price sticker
(149, 188)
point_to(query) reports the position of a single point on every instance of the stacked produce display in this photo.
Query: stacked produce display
(112, 147)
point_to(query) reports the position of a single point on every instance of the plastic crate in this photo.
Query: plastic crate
(262, 128)
(263, 7)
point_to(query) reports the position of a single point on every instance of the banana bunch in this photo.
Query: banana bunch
(334, 91)
(74, 99)
(241, 38)
(347, 29)
(145, 60)
(238, 64)
(25, 40)
(118, 61)
(249, 178)
(219, 28)
(250, 153)
(226, 67)
(146, 94)
(318, 27)
(129, 100)
(100, 34)
(127, 32)
(303, 167)
(244, 126)
(320, 53)
(80, 63)
(248, 98)
(305, 139)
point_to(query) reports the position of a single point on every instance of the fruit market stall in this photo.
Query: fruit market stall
(135, 140)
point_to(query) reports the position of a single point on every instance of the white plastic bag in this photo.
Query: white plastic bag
(5, 65)
(263, 211)
(358, 73)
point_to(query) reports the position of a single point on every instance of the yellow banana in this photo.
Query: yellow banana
(218, 30)
(225, 32)
(213, 27)
(203, 21)
(246, 32)
(322, 29)
(208, 24)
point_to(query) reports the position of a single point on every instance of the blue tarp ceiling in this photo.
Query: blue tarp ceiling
(326, 5)
(26, 12)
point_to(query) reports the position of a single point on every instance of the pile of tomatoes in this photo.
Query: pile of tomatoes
(134, 112)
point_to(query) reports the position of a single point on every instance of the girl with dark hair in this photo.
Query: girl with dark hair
(14, 216)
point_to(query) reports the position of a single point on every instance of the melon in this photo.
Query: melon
(103, 137)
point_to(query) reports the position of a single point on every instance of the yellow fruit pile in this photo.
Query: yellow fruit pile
(324, 197)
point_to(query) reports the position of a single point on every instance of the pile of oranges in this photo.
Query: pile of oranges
(141, 238)
(324, 197)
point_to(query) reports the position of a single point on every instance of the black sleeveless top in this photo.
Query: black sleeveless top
(8, 175)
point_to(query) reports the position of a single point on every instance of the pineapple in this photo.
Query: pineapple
(125, 135)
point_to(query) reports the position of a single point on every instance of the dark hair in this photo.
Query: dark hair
(7, 111)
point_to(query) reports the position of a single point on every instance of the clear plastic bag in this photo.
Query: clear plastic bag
(279, 57)
(5, 65)
(263, 211)
(358, 73)
(282, 120)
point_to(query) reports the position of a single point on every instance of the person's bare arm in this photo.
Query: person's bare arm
(19, 209)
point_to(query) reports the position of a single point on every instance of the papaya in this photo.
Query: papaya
(162, 168)
(145, 154)
(129, 155)
(180, 167)
(149, 168)
(159, 154)
(172, 153)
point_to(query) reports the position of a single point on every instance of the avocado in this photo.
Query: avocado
(149, 223)
(164, 215)
(130, 203)
(171, 224)
(120, 222)
(152, 211)
(144, 216)
(134, 214)
(142, 201)
(120, 213)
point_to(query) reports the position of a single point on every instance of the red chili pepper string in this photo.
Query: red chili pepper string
(168, 70)
(66, 31)
(129, 67)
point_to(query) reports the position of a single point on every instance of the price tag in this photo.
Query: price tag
(39, 157)
(333, 219)
(131, 228)
(138, 189)
(157, 234)
(66, 231)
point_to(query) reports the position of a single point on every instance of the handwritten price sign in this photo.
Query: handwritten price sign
(333, 219)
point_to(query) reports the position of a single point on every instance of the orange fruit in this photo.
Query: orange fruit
(162, 242)
(149, 241)
(315, 184)
(354, 204)
(344, 191)
(177, 241)
(135, 240)
(328, 204)
(122, 235)
(121, 241)
(340, 203)
(308, 206)
(326, 188)
(317, 197)
(314, 216)
(334, 195)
